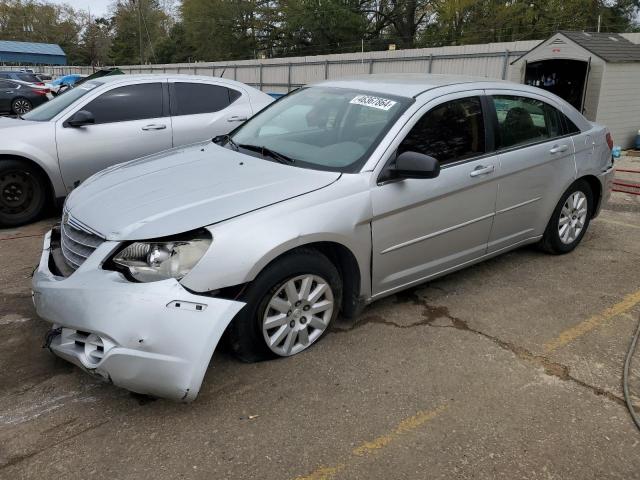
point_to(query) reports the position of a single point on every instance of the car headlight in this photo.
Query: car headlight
(163, 259)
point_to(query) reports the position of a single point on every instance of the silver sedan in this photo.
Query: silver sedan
(336, 195)
(46, 153)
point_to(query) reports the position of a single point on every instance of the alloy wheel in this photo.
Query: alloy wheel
(297, 314)
(573, 217)
(21, 106)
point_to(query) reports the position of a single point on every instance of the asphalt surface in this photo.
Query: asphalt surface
(508, 369)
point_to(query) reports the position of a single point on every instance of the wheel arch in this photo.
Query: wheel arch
(347, 264)
(338, 254)
(596, 189)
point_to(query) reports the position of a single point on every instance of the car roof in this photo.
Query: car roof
(253, 92)
(407, 84)
(162, 76)
(19, 82)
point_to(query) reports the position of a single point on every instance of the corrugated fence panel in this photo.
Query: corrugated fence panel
(281, 74)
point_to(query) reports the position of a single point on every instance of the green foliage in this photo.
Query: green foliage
(138, 26)
(208, 30)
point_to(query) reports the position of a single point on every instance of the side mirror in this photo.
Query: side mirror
(415, 165)
(81, 118)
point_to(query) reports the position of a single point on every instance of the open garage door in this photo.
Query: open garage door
(566, 78)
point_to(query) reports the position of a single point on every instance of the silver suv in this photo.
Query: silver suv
(47, 152)
(332, 197)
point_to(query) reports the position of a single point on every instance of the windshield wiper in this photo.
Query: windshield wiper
(267, 152)
(229, 140)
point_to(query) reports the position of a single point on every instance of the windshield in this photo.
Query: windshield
(48, 110)
(321, 127)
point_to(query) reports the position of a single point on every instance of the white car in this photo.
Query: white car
(49, 151)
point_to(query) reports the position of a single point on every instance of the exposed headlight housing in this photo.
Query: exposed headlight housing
(155, 260)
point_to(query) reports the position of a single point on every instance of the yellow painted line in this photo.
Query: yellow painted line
(405, 426)
(323, 473)
(593, 322)
(621, 224)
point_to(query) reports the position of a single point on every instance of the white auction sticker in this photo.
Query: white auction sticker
(374, 102)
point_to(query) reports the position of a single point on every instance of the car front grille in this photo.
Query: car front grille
(77, 242)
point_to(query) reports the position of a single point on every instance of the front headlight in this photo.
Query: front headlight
(163, 259)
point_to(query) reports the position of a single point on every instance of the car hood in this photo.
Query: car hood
(17, 123)
(184, 189)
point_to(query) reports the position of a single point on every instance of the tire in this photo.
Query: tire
(21, 105)
(574, 210)
(23, 193)
(247, 337)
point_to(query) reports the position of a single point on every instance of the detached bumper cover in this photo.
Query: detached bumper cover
(152, 338)
(606, 179)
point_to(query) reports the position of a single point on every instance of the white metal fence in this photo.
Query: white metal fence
(491, 60)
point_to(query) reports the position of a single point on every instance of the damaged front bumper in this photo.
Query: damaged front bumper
(152, 338)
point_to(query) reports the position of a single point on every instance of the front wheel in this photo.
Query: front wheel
(570, 219)
(290, 306)
(23, 193)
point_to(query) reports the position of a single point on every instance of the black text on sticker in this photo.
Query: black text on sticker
(374, 102)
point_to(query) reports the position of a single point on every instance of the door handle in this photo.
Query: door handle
(559, 149)
(237, 118)
(482, 170)
(154, 126)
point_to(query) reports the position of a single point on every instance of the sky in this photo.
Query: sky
(99, 8)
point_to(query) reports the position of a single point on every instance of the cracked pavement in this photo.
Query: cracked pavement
(508, 369)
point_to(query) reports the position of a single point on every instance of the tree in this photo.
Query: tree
(174, 48)
(95, 42)
(139, 26)
(33, 21)
(321, 26)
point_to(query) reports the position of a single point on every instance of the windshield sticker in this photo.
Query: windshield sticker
(373, 102)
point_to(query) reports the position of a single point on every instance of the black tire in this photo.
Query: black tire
(21, 105)
(245, 334)
(23, 193)
(551, 241)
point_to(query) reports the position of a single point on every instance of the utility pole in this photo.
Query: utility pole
(599, 22)
(139, 28)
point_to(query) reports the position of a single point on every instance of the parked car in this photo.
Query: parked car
(44, 77)
(20, 97)
(380, 183)
(64, 82)
(22, 76)
(108, 121)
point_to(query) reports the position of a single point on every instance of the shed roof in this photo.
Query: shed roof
(29, 47)
(611, 47)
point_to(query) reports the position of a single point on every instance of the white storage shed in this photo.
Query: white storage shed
(598, 73)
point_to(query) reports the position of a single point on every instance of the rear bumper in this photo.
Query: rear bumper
(153, 338)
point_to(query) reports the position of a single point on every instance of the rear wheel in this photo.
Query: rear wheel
(570, 219)
(290, 306)
(23, 193)
(20, 106)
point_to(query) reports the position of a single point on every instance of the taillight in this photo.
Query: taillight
(41, 91)
(40, 84)
(610, 140)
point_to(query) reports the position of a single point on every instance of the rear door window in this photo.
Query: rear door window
(132, 102)
(27, 77)
(195, 98)
(524, 120)
(7, 85)
(450, 132)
